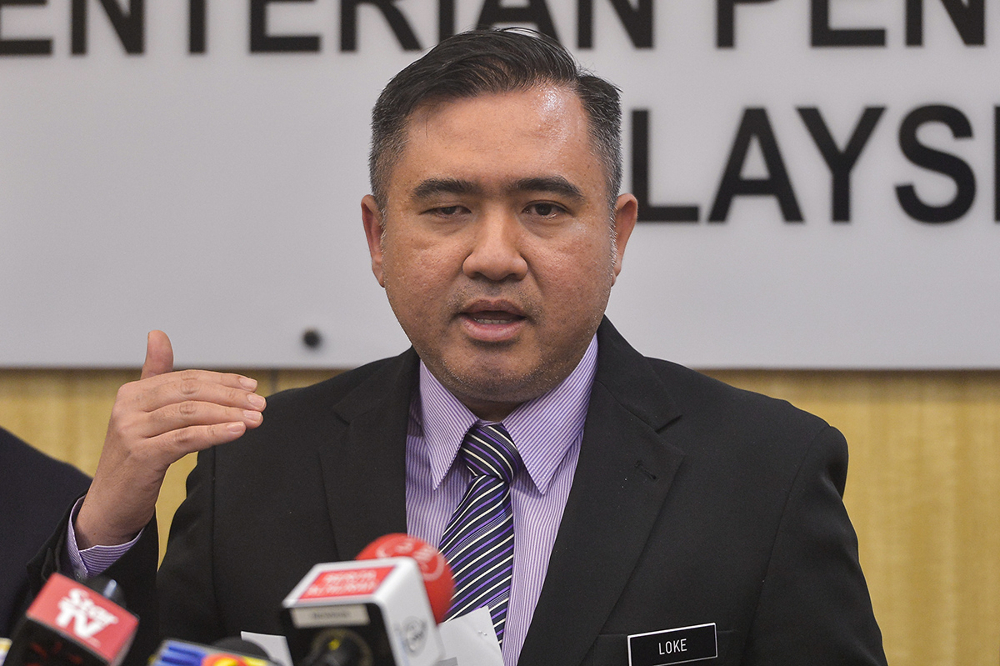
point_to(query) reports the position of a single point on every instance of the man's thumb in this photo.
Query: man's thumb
(159, 355)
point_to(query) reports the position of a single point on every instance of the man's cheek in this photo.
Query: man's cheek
(433, 271)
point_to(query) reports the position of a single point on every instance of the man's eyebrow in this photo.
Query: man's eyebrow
(433, 186)
(554, 184)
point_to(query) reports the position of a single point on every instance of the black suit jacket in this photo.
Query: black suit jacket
(693, 502)
(35, 492)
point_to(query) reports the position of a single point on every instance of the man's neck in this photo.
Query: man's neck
(494, 411)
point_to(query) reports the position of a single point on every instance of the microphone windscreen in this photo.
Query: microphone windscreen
(434, 568)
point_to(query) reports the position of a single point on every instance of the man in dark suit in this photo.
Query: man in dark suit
(35, 491)
(645, 498)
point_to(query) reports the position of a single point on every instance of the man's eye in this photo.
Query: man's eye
(448, 210)
(544, 209)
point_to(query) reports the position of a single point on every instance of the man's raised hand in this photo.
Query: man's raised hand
(154, 422)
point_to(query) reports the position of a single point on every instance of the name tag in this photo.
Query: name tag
(673, 646)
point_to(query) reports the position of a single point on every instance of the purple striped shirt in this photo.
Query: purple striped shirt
(547, 432)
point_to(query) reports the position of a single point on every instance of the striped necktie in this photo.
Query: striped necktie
(479, 539)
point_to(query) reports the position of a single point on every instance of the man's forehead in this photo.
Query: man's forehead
(542, 89)
(547, 105)
(494, 130)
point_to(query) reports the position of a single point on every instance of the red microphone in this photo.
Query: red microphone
(69, 623)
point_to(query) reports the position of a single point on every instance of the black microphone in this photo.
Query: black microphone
(72, 624)
(242, 646)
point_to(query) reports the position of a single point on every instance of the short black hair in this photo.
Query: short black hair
(482, 62)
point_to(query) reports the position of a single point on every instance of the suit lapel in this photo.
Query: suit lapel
(365, 478)
(621, 481)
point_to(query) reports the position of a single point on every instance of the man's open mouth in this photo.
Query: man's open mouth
(493, 317)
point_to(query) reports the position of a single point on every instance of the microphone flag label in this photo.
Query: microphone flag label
(346, 583)
(84, 616)
(383, 602)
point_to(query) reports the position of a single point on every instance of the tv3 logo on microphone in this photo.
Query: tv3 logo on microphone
(87, 618)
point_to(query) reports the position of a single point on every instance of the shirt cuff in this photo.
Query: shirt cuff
(95, 560)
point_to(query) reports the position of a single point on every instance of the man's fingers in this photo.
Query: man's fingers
(193, 413)
(197, 437)
(228, 389)
(159, 355)
(208, 376)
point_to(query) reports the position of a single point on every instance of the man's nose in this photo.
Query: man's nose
(495, 251)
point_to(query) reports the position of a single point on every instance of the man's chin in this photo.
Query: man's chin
(493, 387)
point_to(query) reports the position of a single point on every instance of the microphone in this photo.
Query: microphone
(376, 611)
(71, 624)
(438, 581)
(243, 646)
(226, 652)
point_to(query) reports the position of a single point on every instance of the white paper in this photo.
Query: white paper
(276, 646)
(469, 640)
(4, 647)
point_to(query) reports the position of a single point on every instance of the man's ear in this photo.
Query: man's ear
(626, 212)
(372, 219)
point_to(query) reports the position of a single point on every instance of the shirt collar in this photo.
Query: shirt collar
(543, 429)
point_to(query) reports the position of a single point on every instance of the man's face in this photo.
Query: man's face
(497, 248)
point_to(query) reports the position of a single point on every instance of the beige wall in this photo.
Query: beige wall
(923, 490)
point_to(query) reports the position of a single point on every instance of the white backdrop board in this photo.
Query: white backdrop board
(819, 180)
